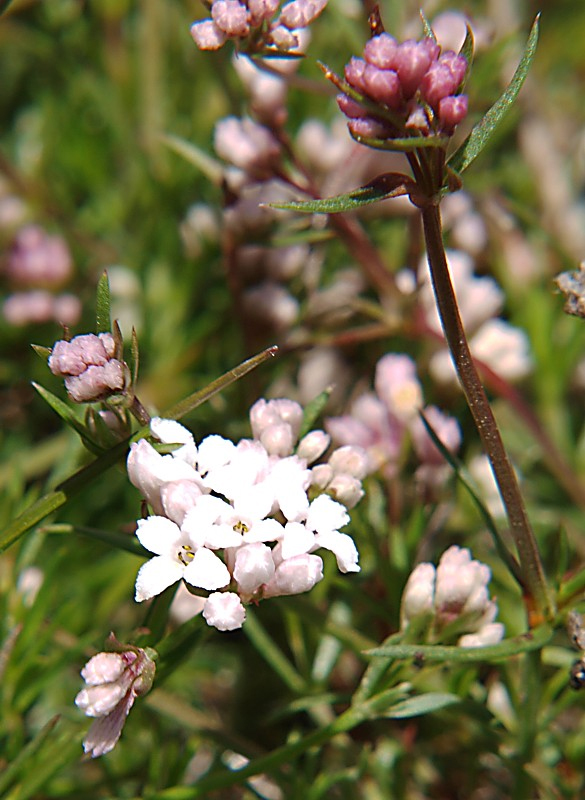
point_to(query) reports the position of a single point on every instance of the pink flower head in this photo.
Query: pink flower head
(89, 366)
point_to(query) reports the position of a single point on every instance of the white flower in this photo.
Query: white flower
(254, 566)
(149, 471)
(176, 557)
(295, 575)
(170, 431)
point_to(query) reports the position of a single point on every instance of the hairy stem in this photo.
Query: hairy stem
(537, 596)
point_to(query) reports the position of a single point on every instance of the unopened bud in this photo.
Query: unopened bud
(224, 611)
(313, 445)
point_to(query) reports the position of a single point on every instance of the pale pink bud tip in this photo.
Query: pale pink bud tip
(224, 611)
(231, 17)
(452, 111)
(300, 13)
(380, 51)
(207, 36)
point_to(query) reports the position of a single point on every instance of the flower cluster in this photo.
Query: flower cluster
(381, 422)
(452, 599)
(240, 19)
(114, 681)
(408, 88)
(37, 266)
(241, 521)
(91, 365)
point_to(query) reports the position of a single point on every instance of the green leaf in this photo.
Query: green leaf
(428, 31)
(210, 167)
(103, 317)
(69, 418)
(467, 51)
(26, 759)
(484, 130)
(313, 410)
(391, 184)
(42, 352)
(135, 356)
(422, 704)
(404, 145)
(533, 640)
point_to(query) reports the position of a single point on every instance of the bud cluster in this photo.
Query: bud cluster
(255, 22)
(239, 521)
(382, 423)
(113, 682)
(91, 366)
(414, 85)
(37, 266)
(452, 599)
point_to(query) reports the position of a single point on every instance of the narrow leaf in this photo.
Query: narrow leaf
(484, 130)
(391, 184)
(422, 704)
(103, 317)
(533, 640)
(69, 418)
(135, 356)
(42, 352)
(428, 31)
(210, 167)
(405, 145)
(465, 479)
(313, 410)
(467, 51)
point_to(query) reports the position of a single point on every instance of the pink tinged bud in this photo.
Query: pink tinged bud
(456, 63)
(231, 17)
(411, 62)
(207, 36)
(295, 575)
(104, 668)
(224, 611)
(283, 38)
(349, 460)
(354, 73)
(418, 594)
(383, 86)
(24, 308)
(369, 128)
(488, 634)
(254, 566)
(245, 144)
(452, 110)
(313, 445)
(97, 383)
(346, 490)
(380, 51)
(261, 10)
(37, 259)
(321, 475)
(300, 13)
(439, 82)
(178, 498)
(349, 107)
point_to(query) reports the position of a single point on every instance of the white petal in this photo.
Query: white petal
(160, 536)
(103, 668)
(326, 514)
(297, 540)
(214, 452)
(207, 571)
(266, 530)
(155, 576)
(343, 547)
(254, 567)
(170, 431)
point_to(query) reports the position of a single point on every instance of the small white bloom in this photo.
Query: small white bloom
(224, 611)
(295, 575)
(170, 431)
(313, 445)
(175, 557)
(254, 566)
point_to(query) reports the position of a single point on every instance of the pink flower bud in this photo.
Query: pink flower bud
(313, 445)
(283, 38)
(452, 110)
(254, 566)
(456, 63)
(349, 460)
(37, 259)
(295, 575)
(261, 10)
(246, 145)
(411, 62)
(418, 595)
(439, 82)
(224, 611)
(300, 13)
(231, 17)
(346, 489)
(383, 86)
(88, 365)
(351, 108)
(114, 680)
(24, 308)
(207, 36)
(369, 128)
(354, 73)
(380, 51)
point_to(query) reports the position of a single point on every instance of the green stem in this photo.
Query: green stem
(539, 602)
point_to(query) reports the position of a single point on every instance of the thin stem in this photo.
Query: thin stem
(538, 600)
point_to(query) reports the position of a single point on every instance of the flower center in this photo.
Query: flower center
(241, 527)
(185, 554)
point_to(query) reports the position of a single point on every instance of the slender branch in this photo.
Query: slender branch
(538, 599)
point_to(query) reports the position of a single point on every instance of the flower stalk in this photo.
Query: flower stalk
(537, 596)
